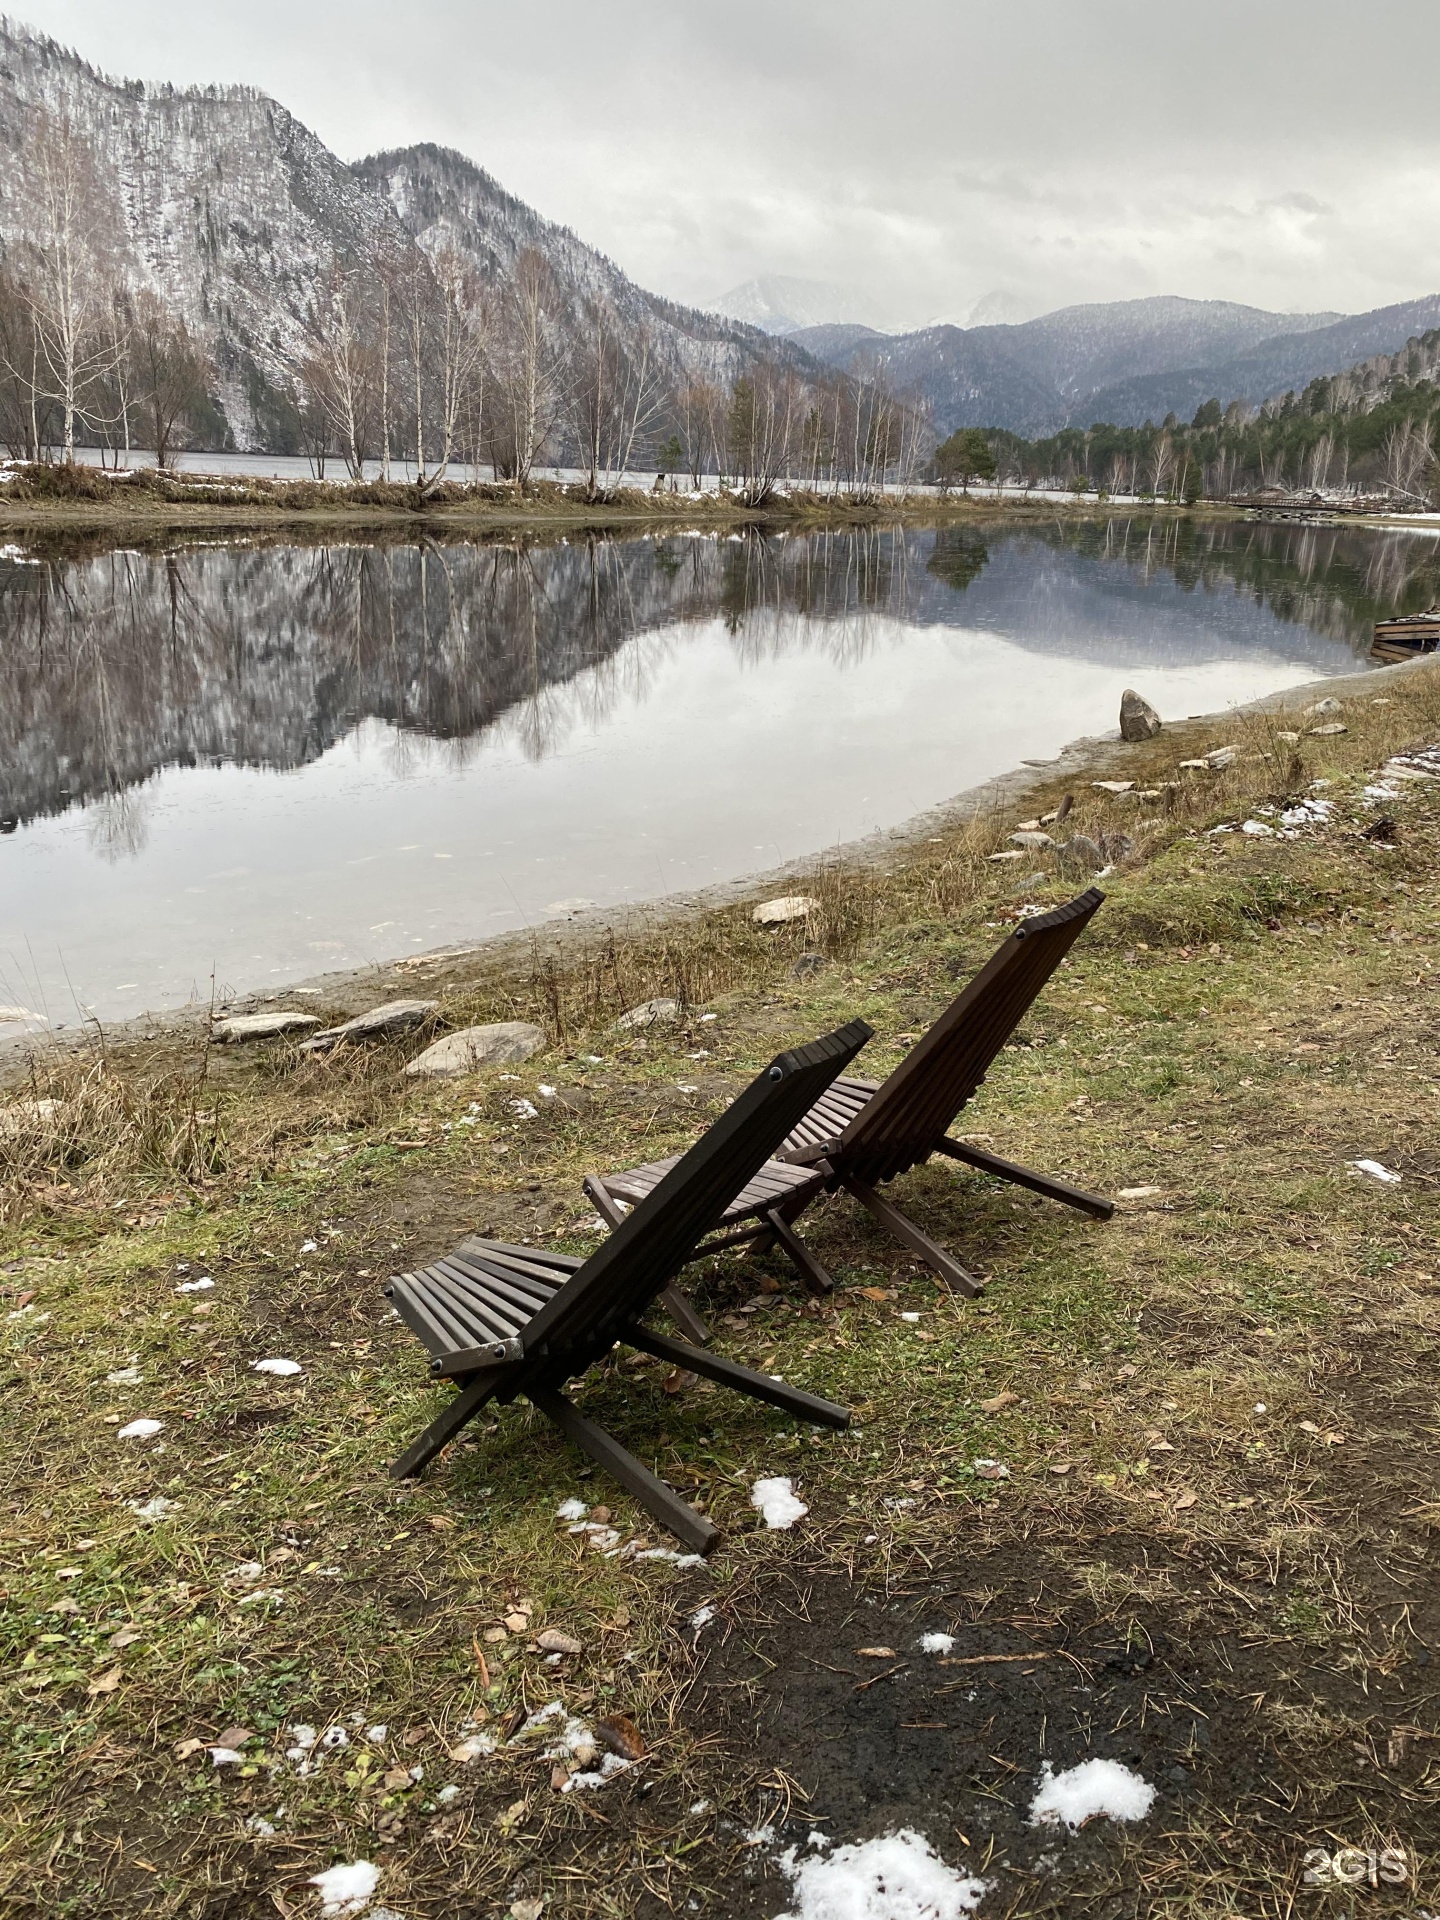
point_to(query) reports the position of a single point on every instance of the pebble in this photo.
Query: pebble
(789, 906)
(648, 1014)
(261, 1026)
(396, 1016)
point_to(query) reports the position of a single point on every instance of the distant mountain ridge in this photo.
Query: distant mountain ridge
(1123, 361)
(780, 303)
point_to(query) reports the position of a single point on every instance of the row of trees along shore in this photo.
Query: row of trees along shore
(407, 355)
(1372, 431)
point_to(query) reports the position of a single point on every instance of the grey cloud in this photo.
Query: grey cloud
(932, 150)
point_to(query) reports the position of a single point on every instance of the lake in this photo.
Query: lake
(249, 763)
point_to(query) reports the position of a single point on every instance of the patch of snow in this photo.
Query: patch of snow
(262, 1593)
(157, 1509)
(1089, 1791)
(447, 1794)
(1257, 829)
(991, 1469)
(912, 1318)
(702, 1617)
(335, 1737)
(309, 1246)
(547, 1093)
(592, 1777)
(140, 1429)
(668, 1553)
(123, 1377)
(303, 1736)
(473, 1748)
(347, 1888)
(377, 1735)
(1260, 1407)
(571, 1510)
(524, 1109)
(895, 1877)
(777, 1502)
(700, 1806)
(283, 1369)
(1374, 1171)
(195, 1286)
(225, 1757)
(937, 1643)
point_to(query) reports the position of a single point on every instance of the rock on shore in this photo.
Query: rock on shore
(499, 1044)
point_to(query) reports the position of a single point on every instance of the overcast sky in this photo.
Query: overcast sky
(923, 153)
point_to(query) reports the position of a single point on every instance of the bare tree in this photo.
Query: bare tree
(340, 369)
(68, 276)
(530, 367)
(460, 341)
(171, 373)
(614, 398)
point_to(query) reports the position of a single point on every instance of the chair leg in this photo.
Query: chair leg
(729, 1373)
(676, 1303)
(811, 1271)
(444, 1427)
(934, 1255)
(1092, 1203)
(662, 1503)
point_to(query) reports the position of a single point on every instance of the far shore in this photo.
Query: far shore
(450, 969)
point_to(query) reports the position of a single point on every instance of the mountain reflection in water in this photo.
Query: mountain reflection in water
(596, 718)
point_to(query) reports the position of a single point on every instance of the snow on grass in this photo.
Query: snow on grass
(702, 1617)
(1094, 1789)
(571, 1510)
(895, 1877)
(141, 1429)
(937, 1643)
(157, 1509)
(283, 1369)
(195, 1286)
(347, 1888)
(777, 1502)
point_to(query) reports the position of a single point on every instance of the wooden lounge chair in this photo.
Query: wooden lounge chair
(501, 1320)
(861, 1134)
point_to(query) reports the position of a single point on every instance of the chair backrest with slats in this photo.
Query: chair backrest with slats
(899, 1126)
(649, 1248)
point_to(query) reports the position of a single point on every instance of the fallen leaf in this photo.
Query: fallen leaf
(876, 1653)
(516, 1622)
(1186, 1499)
(1000, 1402)
(529, 1909)
(1161, 1446)
(106, 1682)
(678, 1379)
(184, 1748)
(1308, 1426)
(559, 1779)
(1333, 1438)
(492, 1636)
(553, 1641)
(514, 1812)
(126, 1637)
(442, 1523)
(412, 1736)
(600, 1515)
(234, 1737)
(1061, 1466)
(1126, 1372)
(991, 1470)
(876, 1293)
(396, 1779)
(621, 1735)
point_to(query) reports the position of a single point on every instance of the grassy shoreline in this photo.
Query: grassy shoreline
(1242, 1597)
(90, 498)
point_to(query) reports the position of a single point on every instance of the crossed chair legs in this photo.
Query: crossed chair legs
(660, 1501)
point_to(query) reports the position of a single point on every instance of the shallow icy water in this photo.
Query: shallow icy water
(255, 764)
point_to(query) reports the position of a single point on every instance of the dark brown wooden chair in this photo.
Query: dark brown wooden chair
(865, 1133)
(861, 1134)
(501, 1320)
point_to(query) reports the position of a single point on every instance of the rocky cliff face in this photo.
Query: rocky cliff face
(225, 205)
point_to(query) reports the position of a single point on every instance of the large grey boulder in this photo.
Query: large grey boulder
(1138, 719)
(396, 1016)
(261, 1026)
(498, 1045)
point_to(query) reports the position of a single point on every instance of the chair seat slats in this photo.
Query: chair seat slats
(469, 1302)
(546, 1264)
(773, 1183)
(418, 1307)
(492, 1276)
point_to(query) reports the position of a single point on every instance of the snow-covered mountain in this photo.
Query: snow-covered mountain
(779, 303)
(222, 203)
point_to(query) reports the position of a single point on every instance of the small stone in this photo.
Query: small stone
(1138, 719)
(1328, 705)
(807, 966)
(396, 1016)
(1031, 881)
(1113, 786)
(648, 1014)
(1080, 851)
(1195, 766)
(1137, 1193)
(1017, 854)
(499, 1044)
(788, 907)
(1332, 726)
(1031, 840)
(1288, 738)
(1219, 758)
(261, 1026)
(551, 1640)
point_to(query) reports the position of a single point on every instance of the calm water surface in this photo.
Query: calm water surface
(257, 763)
